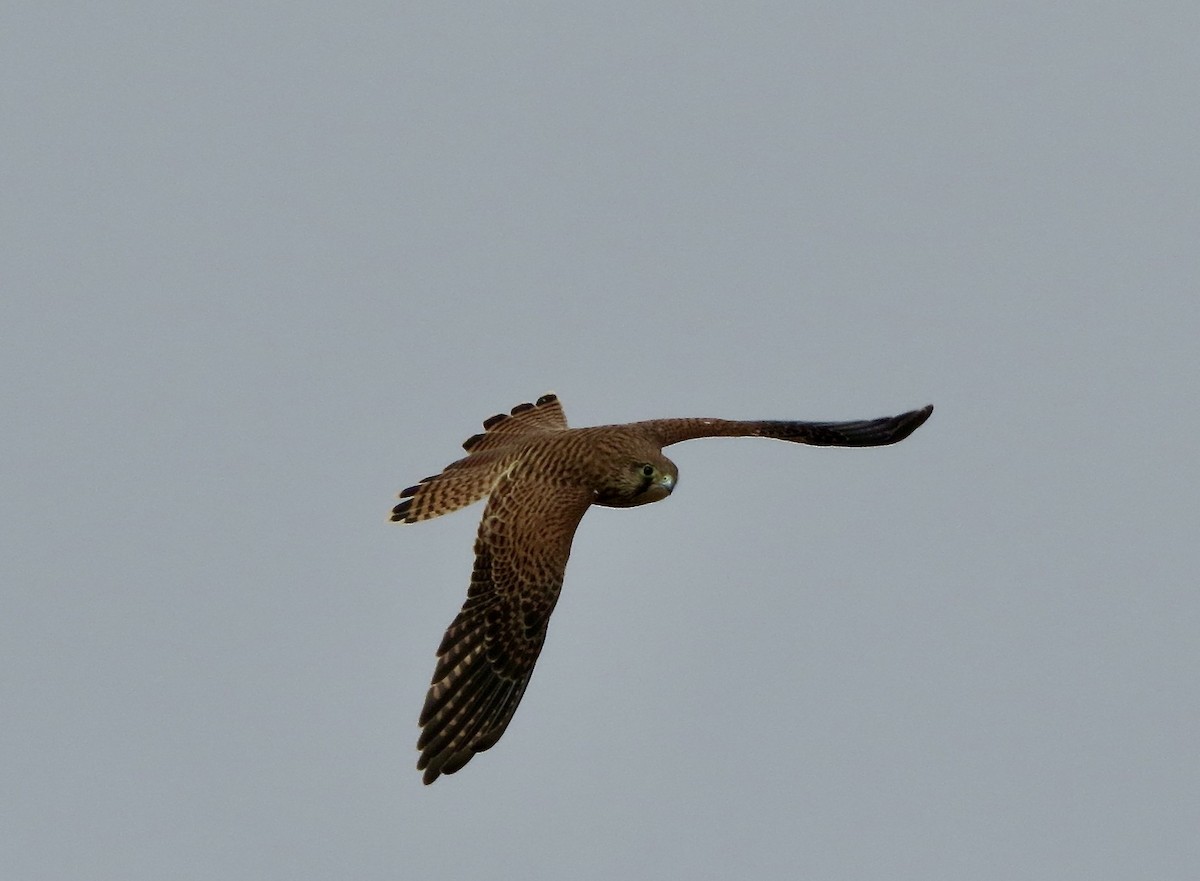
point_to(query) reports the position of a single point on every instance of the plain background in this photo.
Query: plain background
(266, 264)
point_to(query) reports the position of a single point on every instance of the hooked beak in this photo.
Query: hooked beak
(660, 489)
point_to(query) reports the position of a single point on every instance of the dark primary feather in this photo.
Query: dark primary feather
(857, 433)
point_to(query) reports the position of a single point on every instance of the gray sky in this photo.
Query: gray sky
(264, 267)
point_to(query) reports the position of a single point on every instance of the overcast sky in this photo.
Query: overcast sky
(264, 265)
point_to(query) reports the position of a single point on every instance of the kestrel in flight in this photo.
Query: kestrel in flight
(540, 477)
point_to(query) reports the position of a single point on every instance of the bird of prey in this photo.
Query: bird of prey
(540, 478)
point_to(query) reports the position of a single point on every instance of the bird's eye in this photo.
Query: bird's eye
(647, 471)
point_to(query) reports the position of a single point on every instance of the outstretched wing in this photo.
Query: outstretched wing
(858, 433)
(471, 478)
(487, 655)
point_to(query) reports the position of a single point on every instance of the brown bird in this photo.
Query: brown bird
(540, 477)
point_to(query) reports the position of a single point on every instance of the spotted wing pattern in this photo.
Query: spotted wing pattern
(488, 653)
(471, 478)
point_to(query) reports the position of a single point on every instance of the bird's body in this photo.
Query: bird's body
(540, 477)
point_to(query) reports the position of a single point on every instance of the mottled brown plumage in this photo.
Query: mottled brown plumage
(540, 477)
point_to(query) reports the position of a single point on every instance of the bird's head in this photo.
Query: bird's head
(637, 477)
